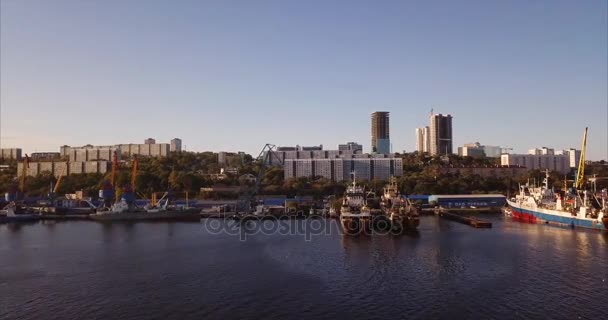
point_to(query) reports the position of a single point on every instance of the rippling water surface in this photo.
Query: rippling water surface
(86, 270)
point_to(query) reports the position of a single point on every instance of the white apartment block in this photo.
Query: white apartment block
(340, 169)
(559, 163)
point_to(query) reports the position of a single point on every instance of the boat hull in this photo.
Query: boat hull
(352, 225)
(553, 217)
(19, 218)
(147, 216)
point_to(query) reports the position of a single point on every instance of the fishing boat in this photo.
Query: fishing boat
(575, 207)
(355, 215)
(401, 213)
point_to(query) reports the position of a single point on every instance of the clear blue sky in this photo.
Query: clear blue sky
(234, 75)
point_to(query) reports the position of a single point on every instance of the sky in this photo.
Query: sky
(234, 75)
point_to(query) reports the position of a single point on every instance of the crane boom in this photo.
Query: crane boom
(134, 172)
(26, 165)
(56, 188)
(580, 176)
(114, 169)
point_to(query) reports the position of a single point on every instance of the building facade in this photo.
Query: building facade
(381, 142)
(574, 156)
(11, 153)
(341, 169)
(441, 134)
(351, 146)
(423, 139)
(559, 163)
(176, 145)
(65, 168)
(474, 150)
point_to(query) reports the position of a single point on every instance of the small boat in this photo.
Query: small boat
(8, 215)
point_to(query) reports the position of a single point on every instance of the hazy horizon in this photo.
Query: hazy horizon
(235, 75)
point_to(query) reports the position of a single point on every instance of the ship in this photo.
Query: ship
(125, 210)
(355, 215)
(575, 207)
(401, 214)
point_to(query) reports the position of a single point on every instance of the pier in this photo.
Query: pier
(471, 221)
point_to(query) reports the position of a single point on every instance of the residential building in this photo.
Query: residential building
(90, 152)
(149, 141)
(351, 146)
(559, 163)
(423, 142)
(381, 132)
(65, 168)
(492, 151)
(176, 145)
(340, 169)
(440, 134)
(37, 156)
(474, 150)
(574, 156)
(542, 151)
(10, 153)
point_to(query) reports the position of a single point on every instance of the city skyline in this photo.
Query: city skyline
(233, 77)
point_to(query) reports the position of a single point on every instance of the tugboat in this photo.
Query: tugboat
(355, 215)
(399, 210)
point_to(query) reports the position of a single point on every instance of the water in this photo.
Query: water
(86, 270)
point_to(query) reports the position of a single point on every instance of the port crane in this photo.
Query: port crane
(580, 176)
(267, 156)
(26, 165)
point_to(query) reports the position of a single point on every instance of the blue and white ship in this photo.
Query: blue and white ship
(577, 209)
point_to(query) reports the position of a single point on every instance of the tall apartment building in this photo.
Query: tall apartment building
(340, 169)
(441, 134)
(176, 145)
(65, 168)
(381, 142)
(150, 141)
(90, 152)
(11, 153)
(542, 151)
(423, 141)
(574, 156)
(351, 146)
(553, 162)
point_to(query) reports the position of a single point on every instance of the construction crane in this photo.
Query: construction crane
(26, 165)
(580, 176)
(56, 188)
(114, 170)
(134, 172)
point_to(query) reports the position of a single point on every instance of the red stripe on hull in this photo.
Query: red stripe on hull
(525, 217)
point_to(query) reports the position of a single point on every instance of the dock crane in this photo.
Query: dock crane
(26, 165)
(580, 176)
(266, 157)
(56, 187)
(134, 172)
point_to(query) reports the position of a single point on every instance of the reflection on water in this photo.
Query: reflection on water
(301, 269)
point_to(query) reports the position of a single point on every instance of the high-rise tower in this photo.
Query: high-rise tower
(380, 132)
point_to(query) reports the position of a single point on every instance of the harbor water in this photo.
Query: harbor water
(226, 270)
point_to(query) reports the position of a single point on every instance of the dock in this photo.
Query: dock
(471, 221)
